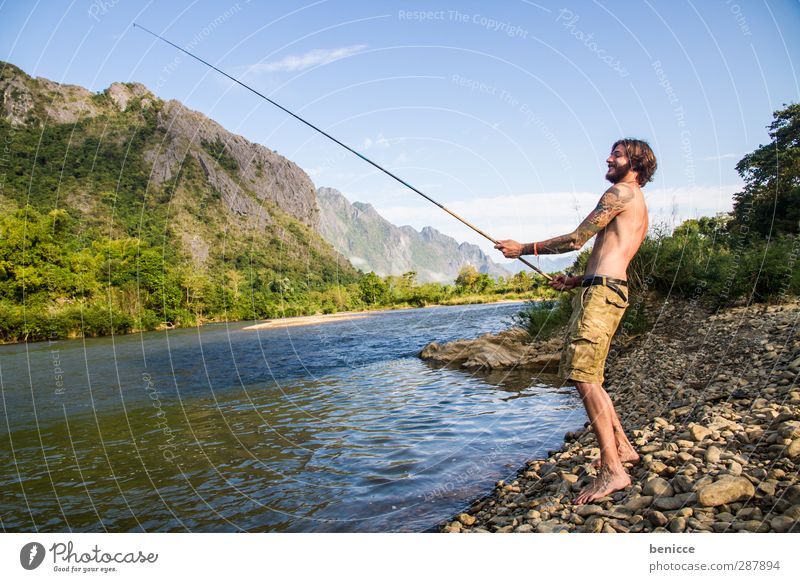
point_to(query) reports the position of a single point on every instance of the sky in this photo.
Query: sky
(504, 112)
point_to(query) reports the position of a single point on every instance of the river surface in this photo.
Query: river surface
(332, 427)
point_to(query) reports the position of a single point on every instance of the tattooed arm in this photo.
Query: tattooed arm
(611, 203)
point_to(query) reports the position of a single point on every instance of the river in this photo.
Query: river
(332, 427)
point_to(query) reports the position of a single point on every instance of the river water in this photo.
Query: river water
(333, 427)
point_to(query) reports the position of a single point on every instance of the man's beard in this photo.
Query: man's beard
(617, 173)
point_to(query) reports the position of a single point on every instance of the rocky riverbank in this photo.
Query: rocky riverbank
(710, 401)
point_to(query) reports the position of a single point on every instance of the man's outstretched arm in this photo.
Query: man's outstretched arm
(611, 203)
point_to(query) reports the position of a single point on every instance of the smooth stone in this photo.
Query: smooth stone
(683, 484)
(658, 487)
(712, 455)
(793, 512)
(783, 523)
(657, 518)
(547, 526)
(587, 510)
(639, 503)
(726, 490)
(749, 513)
(673, 503)
(658, 467)
(594, 524)
(792, 495)
(677, 524)
(766, 487)
(699, 432)
(466, 518)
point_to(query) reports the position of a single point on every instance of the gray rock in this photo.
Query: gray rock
(658, 487)
(673, 503)
(587, 510)
(547, 526)
(638, 503)
(657, 518)
(793, 512)
(783, 523)
(594, 524)
(677, 524)
(792, 495)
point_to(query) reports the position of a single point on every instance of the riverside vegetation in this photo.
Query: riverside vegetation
(703, 373)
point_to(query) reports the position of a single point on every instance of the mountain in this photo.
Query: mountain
(126, 182)
(372, 243)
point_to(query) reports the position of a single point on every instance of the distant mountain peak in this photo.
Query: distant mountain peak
(372, 243)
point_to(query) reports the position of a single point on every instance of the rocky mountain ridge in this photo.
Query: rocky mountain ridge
(372, 243)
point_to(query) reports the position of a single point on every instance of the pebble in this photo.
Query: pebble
(783, 523)
(712, 455)
(658, 487)
(726, 490)
(466, 519)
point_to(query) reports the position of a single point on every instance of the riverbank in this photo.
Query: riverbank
(347, 315)
(283, 321)
(711, 403)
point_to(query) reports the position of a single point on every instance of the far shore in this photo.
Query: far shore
(348, 315)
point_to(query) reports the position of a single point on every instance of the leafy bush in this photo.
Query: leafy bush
(541, 319)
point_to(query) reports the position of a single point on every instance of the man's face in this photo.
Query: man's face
(618, 165)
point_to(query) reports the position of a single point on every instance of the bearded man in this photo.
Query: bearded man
(620, 223)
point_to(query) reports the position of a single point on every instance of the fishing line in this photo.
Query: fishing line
(344, 145)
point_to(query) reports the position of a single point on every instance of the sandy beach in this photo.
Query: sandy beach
(307, 320)
(344, 316)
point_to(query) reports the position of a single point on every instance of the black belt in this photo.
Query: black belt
(610, 282)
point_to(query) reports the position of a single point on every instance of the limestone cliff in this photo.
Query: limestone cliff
(372, 243)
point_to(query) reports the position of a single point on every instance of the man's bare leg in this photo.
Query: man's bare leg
(625, 450)
(612, 476)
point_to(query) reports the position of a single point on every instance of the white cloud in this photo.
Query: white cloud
(358, 262)
(312, 58)
(379, 140)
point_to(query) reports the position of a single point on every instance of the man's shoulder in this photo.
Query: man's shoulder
(624, 189)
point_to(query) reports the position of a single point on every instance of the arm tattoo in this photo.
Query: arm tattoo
(611, 203)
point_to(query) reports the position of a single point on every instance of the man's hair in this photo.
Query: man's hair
(641, 157)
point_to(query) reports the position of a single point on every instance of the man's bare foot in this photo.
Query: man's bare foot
(606, 483)
(626, 455)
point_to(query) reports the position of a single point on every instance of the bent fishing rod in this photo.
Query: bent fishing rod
(344, 145)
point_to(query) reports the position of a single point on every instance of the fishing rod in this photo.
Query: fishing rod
(344, 145)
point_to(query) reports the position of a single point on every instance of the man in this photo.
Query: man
(620, 223)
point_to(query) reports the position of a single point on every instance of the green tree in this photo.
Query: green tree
(770, 202)
(374, 290)
(467, 278)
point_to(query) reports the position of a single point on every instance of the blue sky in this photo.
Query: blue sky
(504, 112)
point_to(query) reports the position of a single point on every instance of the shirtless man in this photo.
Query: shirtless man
(620, 223)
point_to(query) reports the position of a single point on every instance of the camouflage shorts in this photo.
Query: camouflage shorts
(596, 313)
